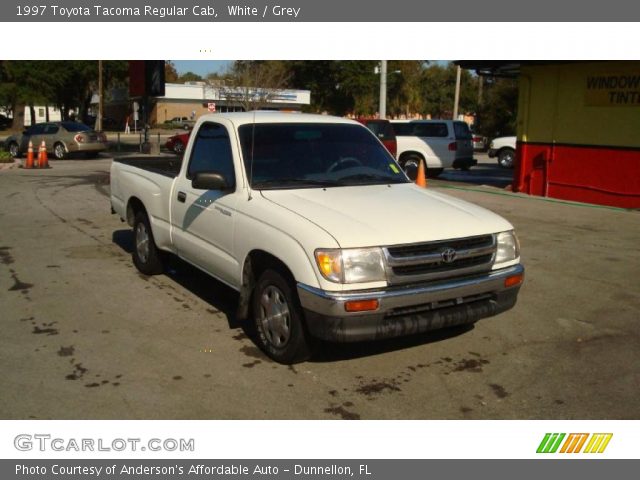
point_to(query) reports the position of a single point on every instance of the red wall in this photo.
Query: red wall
(591, 174)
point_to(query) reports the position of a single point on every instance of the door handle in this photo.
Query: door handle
(182, 197)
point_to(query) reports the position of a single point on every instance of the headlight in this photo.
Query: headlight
(508, 247)
(354, 265)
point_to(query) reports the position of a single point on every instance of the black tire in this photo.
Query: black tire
(14, 150)
(435, 172)
(178, 147)
(278, 319)
(410, 165)
(146, 256)
(59, 151)
(506, 157)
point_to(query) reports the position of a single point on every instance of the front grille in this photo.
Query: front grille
(402, 251)
(425, 261)
(441, 266)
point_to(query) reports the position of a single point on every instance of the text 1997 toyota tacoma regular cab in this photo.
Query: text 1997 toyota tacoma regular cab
(312, 220)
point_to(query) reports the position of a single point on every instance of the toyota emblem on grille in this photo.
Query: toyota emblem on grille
(448, 255)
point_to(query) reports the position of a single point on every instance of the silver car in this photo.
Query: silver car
(61, 139)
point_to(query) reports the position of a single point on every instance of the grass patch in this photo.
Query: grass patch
(5, 157)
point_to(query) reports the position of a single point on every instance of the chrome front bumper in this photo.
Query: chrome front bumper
(408, 310)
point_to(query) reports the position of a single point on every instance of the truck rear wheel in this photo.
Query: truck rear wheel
(279, 320)
(146, 256)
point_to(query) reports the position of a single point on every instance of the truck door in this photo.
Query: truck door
(203, 220)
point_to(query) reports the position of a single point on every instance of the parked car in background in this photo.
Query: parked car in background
(177, 143)
(181, 122)
(384, 131)
(504, 148)
(439, 144)
(480, 143)
(61, 139)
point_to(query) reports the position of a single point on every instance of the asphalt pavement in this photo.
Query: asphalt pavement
(85, 336)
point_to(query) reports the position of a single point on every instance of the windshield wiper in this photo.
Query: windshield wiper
(370, 176)
(293, 182)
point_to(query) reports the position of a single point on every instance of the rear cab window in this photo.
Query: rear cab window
(211, 151)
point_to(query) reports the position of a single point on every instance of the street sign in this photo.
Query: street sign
(212, 107)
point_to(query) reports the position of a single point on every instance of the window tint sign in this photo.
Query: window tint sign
(613, 89)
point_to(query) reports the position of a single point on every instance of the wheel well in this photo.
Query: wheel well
(257, 262)
(408, 154)
(506, 148)
(134, 206)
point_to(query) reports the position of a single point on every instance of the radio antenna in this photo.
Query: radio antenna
(253, 142)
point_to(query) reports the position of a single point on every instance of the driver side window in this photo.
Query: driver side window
(212, 152)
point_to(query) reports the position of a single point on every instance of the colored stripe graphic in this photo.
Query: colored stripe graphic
(575, 441)
(550, 442)
(598, 442)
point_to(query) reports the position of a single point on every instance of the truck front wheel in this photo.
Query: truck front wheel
(278, 319)
(146, 256)
(506, 158)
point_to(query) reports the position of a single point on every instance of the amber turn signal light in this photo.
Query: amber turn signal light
(513, 280)
(361, 305)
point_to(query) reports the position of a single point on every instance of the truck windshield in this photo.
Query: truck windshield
(313, 155)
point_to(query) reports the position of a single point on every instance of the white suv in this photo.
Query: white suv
(439, 143)
(505, 149)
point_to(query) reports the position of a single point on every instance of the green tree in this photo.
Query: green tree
(253, 83)
(67, 84)
(189, 77)
(404, 95)
(498, 111)
(323, 79)
(170, 72)
(438, 91)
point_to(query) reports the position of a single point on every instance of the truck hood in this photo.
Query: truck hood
(382, 215)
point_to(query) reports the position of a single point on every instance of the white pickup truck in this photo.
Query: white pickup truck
(312, 220)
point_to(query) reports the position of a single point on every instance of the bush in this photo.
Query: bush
(5, 157)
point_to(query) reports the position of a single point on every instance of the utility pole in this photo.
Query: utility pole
(383, 89)
(457, 94)
(480, 82)
(98, 125)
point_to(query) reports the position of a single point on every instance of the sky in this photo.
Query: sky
(201, 67)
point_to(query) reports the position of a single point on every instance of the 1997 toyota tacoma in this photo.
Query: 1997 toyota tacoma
(311, 219)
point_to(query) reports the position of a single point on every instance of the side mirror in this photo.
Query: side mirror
(209, 181)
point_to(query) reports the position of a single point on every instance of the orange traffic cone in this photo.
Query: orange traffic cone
(29, 163)
(421, 177)
(43, 161)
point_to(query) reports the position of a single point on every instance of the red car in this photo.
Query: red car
(384, 131)
(177, 143)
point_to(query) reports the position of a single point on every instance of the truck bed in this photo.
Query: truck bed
(167, 166)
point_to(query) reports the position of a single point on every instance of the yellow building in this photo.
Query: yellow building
(578, 129)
